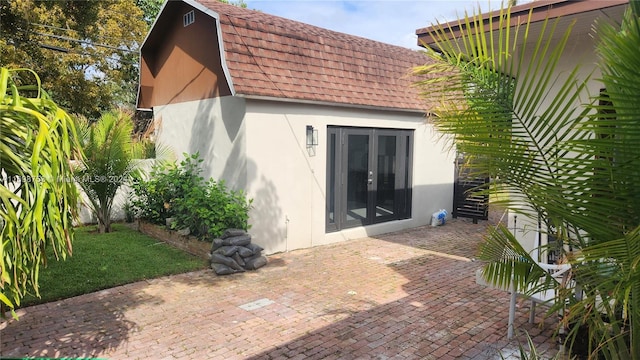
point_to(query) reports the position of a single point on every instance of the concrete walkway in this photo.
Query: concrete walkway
(407, 295)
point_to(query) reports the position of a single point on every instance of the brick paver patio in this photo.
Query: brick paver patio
(407, 295)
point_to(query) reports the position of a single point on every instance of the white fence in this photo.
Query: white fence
(85, 216)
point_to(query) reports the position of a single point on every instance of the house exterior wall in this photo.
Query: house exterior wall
(215, 128)
(579, 51)
(260, 146)
(288, 180)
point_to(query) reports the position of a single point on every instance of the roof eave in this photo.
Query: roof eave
(334, 104)
(541, 10)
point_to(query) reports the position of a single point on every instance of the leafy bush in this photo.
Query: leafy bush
(210, 208)
(207, 208)
(153, 199)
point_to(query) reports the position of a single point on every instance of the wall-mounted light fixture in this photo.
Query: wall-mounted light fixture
(312, 136)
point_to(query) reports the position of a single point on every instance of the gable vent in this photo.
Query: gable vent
(189, 18)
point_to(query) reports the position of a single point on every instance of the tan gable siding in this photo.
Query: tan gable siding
(145, 91)
(275, 57)
(181, 63)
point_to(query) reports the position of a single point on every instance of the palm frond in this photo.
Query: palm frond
(491, 101)
(37, 141)
(509, 264)
(109, 164)
(571, 162)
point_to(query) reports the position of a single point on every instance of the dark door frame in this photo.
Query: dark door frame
(338, 178)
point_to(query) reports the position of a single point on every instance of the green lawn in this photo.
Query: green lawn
(102, 261)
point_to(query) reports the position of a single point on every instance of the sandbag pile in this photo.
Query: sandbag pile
(233, 252)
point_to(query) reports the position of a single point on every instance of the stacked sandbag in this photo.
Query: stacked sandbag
(233, 252)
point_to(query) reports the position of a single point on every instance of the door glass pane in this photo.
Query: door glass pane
(406, 187)
(357, 177)
(331, 180)
(386, 177)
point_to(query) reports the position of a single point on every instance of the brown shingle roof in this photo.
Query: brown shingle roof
(276, 57)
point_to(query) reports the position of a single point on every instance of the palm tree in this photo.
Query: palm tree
(572, 167)
(109, 153)
(37, 142)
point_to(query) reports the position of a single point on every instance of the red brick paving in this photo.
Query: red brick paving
(407, 295)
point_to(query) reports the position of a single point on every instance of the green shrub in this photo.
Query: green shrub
(210, 208)
(207, 208)
(153, 199)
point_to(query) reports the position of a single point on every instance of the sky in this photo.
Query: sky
(389, 21)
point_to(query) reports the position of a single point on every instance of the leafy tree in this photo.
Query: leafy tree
(150, 9)
(38, 199)
(571, 166)
(86, 52)
(109, 161)
(238, 3)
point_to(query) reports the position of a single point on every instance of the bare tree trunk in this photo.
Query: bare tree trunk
(104, 218)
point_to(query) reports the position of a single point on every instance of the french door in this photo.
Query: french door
(368, 176)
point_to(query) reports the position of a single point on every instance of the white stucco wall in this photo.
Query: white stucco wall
(213, 127)
(260, 146)
(288, 182)
(579, 51)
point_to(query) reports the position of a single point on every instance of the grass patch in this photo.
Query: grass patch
(102, 261)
